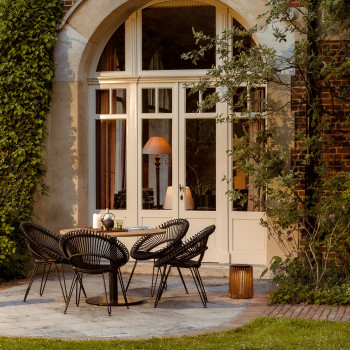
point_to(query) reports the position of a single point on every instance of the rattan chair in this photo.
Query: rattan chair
(94, 253)
(153, 247)
(45, 248)
(187, 256)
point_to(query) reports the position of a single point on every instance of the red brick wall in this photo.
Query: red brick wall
(334, 111)
(67, 4)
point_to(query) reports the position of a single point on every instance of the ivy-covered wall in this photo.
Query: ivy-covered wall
(28, 34)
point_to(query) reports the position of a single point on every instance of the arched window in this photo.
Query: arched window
(140, 82)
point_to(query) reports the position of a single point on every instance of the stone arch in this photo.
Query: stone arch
(83, 33)
(85, 26)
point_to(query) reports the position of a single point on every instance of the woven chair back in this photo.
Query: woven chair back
(42, 242)
(93, 252)
(175, 230)
(194, 247)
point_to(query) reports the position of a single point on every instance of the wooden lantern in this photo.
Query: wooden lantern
(241, 281)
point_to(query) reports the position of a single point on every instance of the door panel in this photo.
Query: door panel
(198, 171)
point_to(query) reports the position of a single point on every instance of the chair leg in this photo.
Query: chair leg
(82, 287)
(108, 304)
(132, 272)
(78, 288)
(162, 284)
(63, 287)
(199, 284)
(44, 278)
(200, 281)
(31, 280)
(74, 282)
(154, 284)
(122, 287)
(183, 281)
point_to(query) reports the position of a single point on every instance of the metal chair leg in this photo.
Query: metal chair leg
(199, 284)
(154, 285)
(64, 289)
(162, 284)
(183, 281)
(31, 280)
(132, 273)
(78, 288)
(108, 303)
(82, 287)
(42, 286)
(122, 287)
(200, 281)
(74, 282)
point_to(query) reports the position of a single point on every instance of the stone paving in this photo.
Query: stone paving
(177, 313)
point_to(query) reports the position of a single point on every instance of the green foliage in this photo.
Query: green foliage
(28, 33)
(291, 293)
(307, 206)
(294, 284)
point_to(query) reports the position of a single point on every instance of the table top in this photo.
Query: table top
(122, 233)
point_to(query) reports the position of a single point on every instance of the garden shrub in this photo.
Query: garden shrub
(295, 284)
(28, 33)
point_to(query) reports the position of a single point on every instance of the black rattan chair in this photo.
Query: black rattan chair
(93, 253)
(45, 248)
(153, 247)
(189, 255)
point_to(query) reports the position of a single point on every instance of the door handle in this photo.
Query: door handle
(182, 188)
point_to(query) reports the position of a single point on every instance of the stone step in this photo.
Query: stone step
(206, 269)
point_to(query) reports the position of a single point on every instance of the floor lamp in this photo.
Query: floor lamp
(157, 145)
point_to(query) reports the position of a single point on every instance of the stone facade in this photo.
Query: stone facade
(83, 35)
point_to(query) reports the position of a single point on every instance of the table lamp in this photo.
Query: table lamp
(157, 145)
(168, 203)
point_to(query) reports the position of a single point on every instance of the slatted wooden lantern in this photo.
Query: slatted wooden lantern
(241, 281)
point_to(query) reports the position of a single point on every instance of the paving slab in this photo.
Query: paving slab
(177, 312)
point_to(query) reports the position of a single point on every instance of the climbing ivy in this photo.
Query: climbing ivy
(28, 33)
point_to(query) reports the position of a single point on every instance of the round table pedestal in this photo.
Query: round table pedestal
(101, 300)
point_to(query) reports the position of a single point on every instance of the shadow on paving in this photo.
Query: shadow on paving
(177, 312)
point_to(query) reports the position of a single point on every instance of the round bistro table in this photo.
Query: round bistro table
(113, 277)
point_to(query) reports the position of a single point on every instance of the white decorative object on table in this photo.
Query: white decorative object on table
(96, 221)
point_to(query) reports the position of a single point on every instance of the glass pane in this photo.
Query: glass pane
(239, 100)
(248, 42)
(240, 179)
(102, 101)
(258, 99)
(204, 96)
(201, 162)
(148, 100)
(192, 101)
(113, 55)
(119, 101)
(167, 34)
(165, 100)
(156, 163)
(111, 164)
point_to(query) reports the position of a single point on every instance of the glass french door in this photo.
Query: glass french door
(189, 170)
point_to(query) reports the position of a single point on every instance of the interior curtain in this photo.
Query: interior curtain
(105, 161)
(108, 60)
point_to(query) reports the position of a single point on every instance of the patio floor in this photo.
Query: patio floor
(177, 313)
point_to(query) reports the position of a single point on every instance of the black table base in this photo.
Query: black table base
(101, 300)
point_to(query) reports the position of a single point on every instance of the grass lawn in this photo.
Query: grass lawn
(263, 333)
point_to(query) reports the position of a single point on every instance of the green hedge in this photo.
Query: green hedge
(28, 34)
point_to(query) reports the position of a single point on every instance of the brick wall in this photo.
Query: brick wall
(334, 110)
(67, 4)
